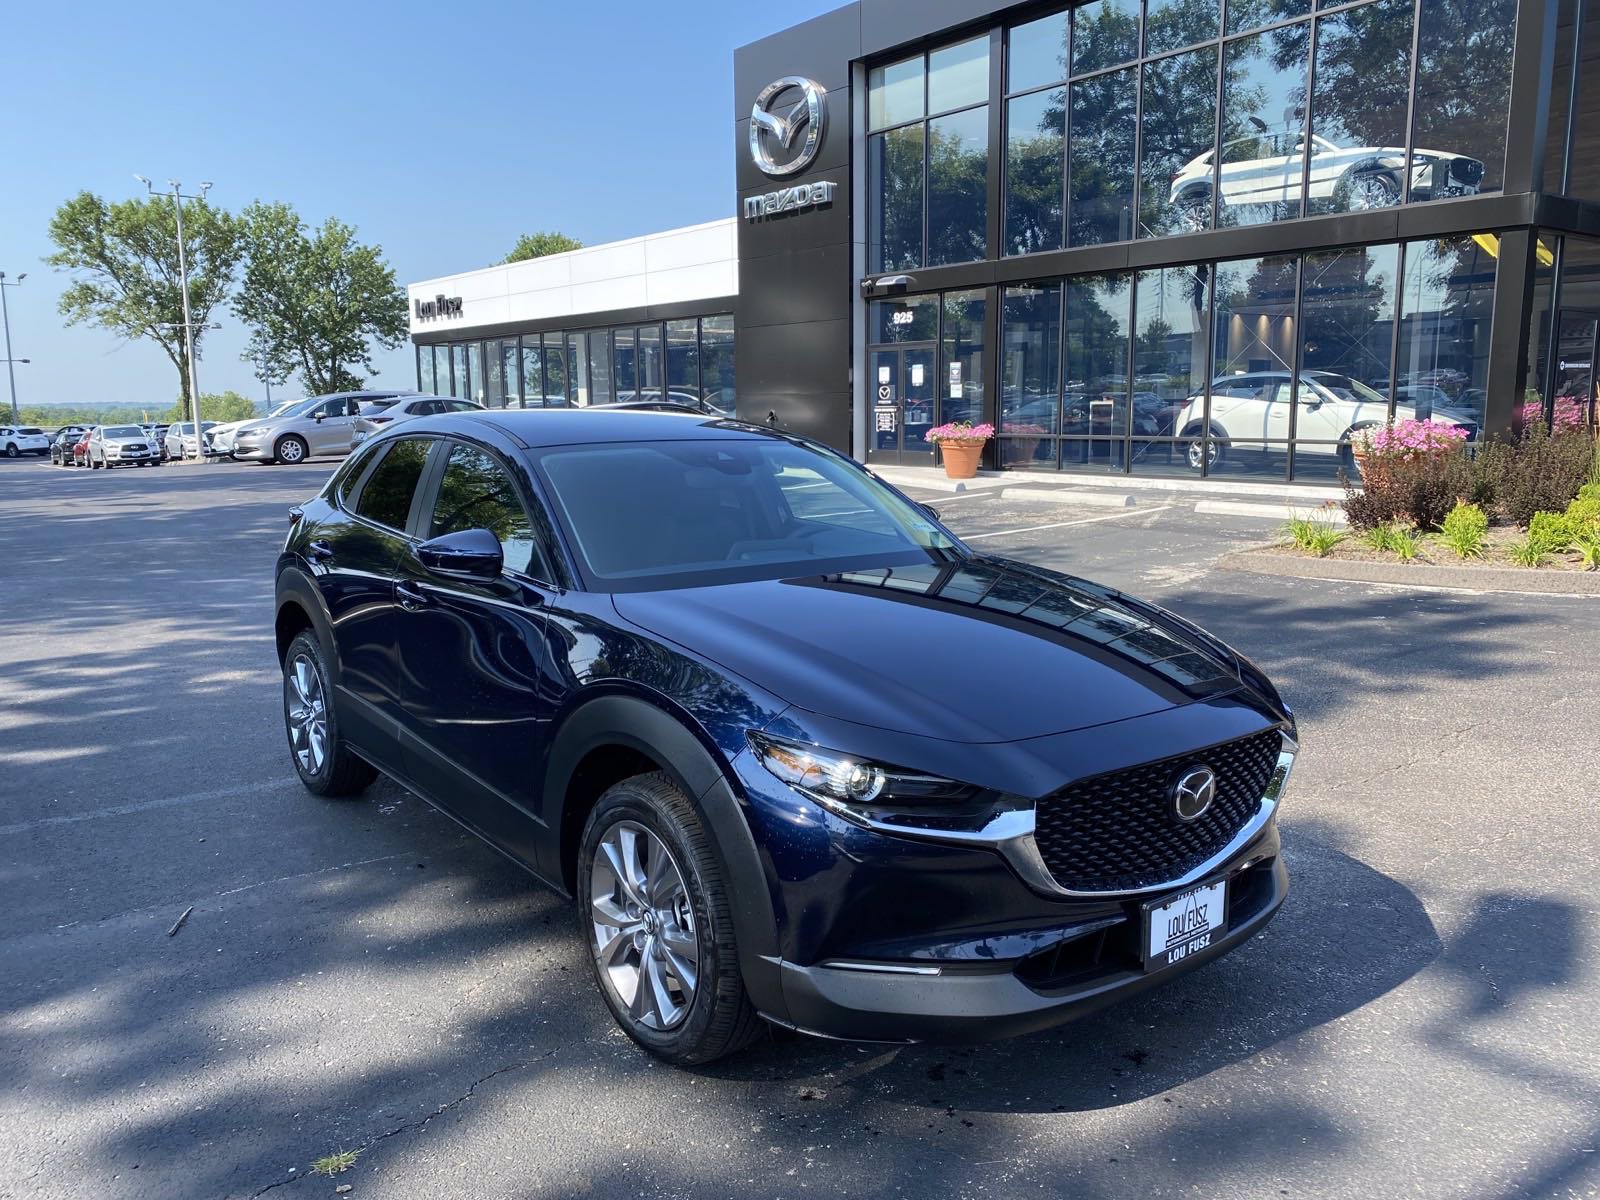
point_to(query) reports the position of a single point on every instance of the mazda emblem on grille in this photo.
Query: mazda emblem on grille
(1193, 792)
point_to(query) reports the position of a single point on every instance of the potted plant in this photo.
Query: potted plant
(960, 446)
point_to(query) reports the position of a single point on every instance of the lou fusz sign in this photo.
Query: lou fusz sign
(439, 306)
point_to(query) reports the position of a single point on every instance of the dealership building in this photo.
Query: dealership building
(1168, 237)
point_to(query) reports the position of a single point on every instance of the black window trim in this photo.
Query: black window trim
(381, 452)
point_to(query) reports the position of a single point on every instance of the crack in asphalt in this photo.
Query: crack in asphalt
(421, 1122)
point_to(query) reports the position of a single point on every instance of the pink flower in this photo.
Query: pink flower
(960, 432)
(1411, 438)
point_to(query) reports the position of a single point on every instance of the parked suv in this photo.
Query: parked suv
(322, 425)
(122, 446)
(680, 668)
(17, 440)
(1250, 411)
(376, 414)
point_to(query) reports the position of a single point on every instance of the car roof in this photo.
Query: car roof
(580, 426)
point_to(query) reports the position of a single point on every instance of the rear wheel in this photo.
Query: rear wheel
(655, 915)
(1367, 190)
(325, 764)
(291, 449)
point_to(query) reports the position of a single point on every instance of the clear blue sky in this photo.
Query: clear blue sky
(440, 130)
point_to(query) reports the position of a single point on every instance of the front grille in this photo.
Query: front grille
(1117, 832)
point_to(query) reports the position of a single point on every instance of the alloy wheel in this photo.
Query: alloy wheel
(307, 716)
(642, 924)
(291, 450)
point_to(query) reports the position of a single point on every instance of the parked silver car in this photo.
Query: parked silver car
(380, 414)
(122, 446)
(179, 439)
(320, 425)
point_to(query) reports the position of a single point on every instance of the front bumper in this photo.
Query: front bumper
(251, 450)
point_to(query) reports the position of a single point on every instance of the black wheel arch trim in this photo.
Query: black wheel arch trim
(295, 587)
(629, 720)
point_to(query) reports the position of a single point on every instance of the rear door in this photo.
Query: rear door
(354, 555)
(474, 666)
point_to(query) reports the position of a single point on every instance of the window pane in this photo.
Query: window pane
(494, 383)
(894, 197)
(1169, 346)
(1037, 53)
(894, 93)
(1171, 24)
(1252, 388)
(1444, 327)
(1096, 327)
(1035, 127)
(1104, 34)
(650, 365)
(1030, 370)
(1248, 14)
(716, 363)
(424, 368)
(474, 372)
(511, 359)
(1463, 89)
(476, 493)
(532, 372)
(600, 367)
(1100, 169)
(578, 370)
(386, 498)
(958, 169)
(959, 75)
(458, 362)
(909, 319)
(1358, 108)
(1263, 129)
(441, 371)
(1179, 124)
(626, 376)
(1346, 334)
(961, 361)
(683, 358)
(557, 382)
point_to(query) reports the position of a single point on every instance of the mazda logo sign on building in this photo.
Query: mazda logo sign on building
(774, 135)
(1193, 793)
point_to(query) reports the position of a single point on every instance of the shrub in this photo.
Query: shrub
(1407, 486)
(1543, 473)
(1588, 548)
(1550, 531)
(1464, 530)
(1381, 537)
(1313, 536)
(1525, 553)
(1404, 543)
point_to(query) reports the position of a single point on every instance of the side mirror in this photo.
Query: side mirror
(465, 554)
(318, 418)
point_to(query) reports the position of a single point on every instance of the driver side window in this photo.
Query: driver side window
(477, 493)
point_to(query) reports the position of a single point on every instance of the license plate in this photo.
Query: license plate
(1185, 924)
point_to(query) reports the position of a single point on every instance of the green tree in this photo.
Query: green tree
(124, 259)
(537, 245)
(315, 301)
(224, 406)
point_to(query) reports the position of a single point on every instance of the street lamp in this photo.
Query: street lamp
(5, 313)
(178, 197)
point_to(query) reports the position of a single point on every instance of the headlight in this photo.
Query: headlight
(876, 795)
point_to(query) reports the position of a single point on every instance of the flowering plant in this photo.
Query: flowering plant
(961, 433)
(1410, 439)
(1568, 414)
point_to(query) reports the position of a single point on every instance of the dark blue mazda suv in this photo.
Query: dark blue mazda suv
(799, 753)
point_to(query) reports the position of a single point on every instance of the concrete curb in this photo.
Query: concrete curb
(1303, 495)
(1037, 495)
(1472, 579)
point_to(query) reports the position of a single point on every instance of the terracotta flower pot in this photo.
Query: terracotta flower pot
(960, 458)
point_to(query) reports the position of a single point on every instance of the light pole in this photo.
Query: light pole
(178, 197)
(5, 312)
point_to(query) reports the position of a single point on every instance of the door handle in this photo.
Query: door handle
(409, 595)
(319, 551)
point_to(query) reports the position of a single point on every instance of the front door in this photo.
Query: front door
(1575, 357)
(331, 429)
(902, 380)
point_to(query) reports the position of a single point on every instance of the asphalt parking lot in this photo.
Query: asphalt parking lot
(1419, 1021)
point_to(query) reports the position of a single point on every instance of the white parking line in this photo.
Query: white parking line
(1116, 516)
(123, 810)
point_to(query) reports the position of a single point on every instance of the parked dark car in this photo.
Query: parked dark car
(798, 751)
(61, 445)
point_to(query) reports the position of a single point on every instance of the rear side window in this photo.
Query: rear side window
(476, 493)
(386, 498)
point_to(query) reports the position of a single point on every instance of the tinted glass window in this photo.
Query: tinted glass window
(1247, 14)
(1030, 382)
(1263, 127)
(386, 498)
(894, 190)
(683, 357)
(1171, 24)
(1359, 107)
(959, 75)
(1104, 34)
(1179, 125)
(1100, 173)
(678, 514)
(476, 493)
(1037, 54)
(1035, 129)
(958, 165)
(1463, 89)
(895, 93)
(717, 363)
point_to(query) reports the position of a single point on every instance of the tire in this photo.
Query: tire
(1366, 190)
(326, 766)
(1199, 454)
(12, 451)
(291, 450)
(711, 1016)
(1193, 209)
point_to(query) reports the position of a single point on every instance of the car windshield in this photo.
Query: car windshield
(122, 431)
(647, 516)
(1346, 388)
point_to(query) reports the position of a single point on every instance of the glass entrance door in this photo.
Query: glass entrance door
(1574, 382)
(902, 381)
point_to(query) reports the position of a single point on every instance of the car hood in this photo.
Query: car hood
(976, 650)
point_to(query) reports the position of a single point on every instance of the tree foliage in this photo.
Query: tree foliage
(124, 261)
(316, 301)
(214, 406)
(537, 245)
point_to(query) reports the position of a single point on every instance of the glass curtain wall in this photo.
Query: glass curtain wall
(1263, 367)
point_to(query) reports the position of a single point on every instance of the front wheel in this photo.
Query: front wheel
(325, 764)
(12, 451)
(1367, 190)
(654, 911)
(291, 450)
(1202, 454)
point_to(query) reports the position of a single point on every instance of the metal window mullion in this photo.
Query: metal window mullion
(1411, 102)
(1395, 323)
(1547, 384)
(1574, 95)
(1210, 367)
(1217, 136)
(1138, 148)
(1294, 363)
(996, 126)
(1305, 133)
(1133, 339)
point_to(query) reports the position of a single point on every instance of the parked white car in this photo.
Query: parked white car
(122, 446)
(17, 440)
(378, 415)
(1265, 169)
(319, 425)
(1250, 411)
(180, 438)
